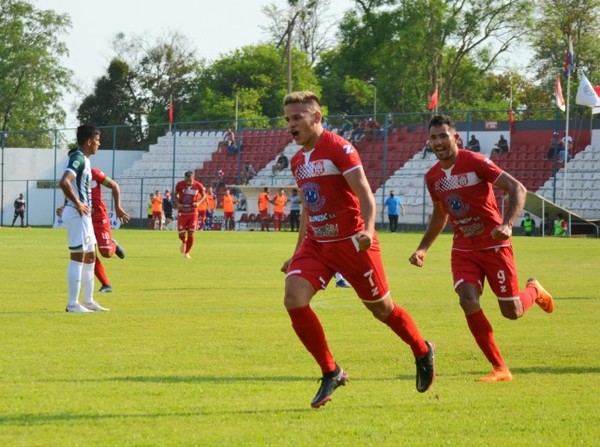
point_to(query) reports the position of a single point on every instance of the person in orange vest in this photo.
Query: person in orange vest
(279, 202)
(263, 209)
(211, 202)
(202, 210)
(157, 208)
(229, 202)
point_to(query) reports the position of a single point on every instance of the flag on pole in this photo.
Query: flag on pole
(171, 111)
(560, 101)
(433, 101)
(511, 121)
(569, 58)
(586, 95)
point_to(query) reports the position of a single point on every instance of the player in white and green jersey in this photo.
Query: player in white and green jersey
(76, 186)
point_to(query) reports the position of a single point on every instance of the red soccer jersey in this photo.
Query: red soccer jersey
(466, 193)
(187, 195)
(99, 178)
(332, 208)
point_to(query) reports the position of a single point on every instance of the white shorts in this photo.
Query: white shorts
(80, 231)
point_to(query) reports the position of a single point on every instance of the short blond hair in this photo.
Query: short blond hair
(305, 97)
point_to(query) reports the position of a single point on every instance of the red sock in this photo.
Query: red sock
(403, 325)
(308, 328)
(189, 242)
(484, 336)
(100, 272)
(528, 297)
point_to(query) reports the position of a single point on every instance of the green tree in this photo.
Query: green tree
(408, 47)
(32, 78)
(556, 21)
(256, 74)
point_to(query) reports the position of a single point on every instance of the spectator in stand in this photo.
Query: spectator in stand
(219, 179)
(281, 163)
(394, 206)
(295, 204)
(345, 128)
(357, 131)
(188, 193)
(427, 149)
(248, 173)
(459, 142)
(157, 211)
(565, 149)
(20, 208)
(372, 129)
(555, 147)
(211, 203)
(474, 145)
(263, 209)
(229, 202)
(501, 146)
(279, 203)
(167, 209)
(528, 225)
(230, 142)
(560, 226)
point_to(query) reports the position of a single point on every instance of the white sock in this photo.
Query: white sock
(338, 276)
(87, 283)
(74, 281)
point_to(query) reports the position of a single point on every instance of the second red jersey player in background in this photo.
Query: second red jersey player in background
(188, 194)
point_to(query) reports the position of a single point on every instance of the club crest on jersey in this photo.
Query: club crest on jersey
(456, 205)
(312, 196)
(348, 148)
(462, 180)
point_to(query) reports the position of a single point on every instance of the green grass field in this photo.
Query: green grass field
(201, 351)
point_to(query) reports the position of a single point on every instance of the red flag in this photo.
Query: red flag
(433, 101)
(597, 89)
(511, 121)
(560, 101)
(171, 111)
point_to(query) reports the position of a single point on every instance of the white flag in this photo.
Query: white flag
(586, 95)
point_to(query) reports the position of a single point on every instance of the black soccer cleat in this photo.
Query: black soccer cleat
(425, 369)
(119, 250)
(329, 382)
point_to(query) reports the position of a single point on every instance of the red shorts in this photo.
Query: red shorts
(228, 215)
(279, 216)
(202, 214)
(157, 214)
(497, 265)
(102, 231)
(187, 221)
(264, 214)
(317, 262)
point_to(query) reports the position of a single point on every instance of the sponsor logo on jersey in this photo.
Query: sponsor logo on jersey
(312, 197)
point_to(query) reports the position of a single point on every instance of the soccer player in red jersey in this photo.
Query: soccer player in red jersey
(337, 233)
(107, 246)
(188, 193)
(461, 187)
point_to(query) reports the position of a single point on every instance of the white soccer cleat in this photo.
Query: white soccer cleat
(94, 306)
(77, 309)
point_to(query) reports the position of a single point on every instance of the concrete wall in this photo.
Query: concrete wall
(33, 171)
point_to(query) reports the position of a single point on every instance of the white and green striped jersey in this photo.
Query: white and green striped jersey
(80, 166)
